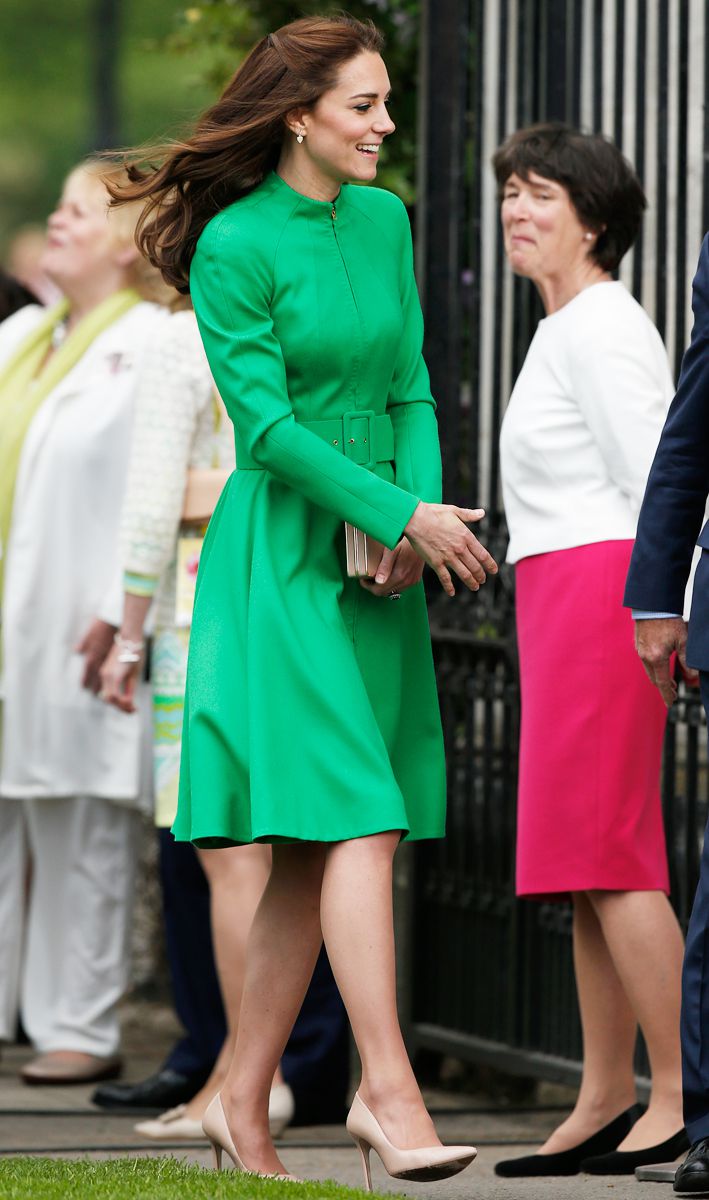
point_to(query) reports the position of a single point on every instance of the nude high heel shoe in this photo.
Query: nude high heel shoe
(428, 1163)
(216, 1129)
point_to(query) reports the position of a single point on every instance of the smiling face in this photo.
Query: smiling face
(345, 129)
(543, 235)
(81, 239)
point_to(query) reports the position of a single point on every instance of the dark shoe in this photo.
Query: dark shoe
(624, 1162)
(692, 1176)
(58, 1068)
(165, 1089)
(568, 1162)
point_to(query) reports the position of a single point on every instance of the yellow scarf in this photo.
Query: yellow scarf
(25, 384)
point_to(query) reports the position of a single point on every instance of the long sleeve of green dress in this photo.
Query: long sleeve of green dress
(311, 710)
(236, 267)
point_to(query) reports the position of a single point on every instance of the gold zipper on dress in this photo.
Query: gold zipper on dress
(333, 214)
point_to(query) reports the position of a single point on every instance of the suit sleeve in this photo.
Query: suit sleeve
(410, 404)
(675, 497)
(231, 288)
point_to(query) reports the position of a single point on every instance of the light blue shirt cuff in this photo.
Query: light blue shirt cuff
(639, 614)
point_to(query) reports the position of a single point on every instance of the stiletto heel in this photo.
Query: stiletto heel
(364, 1149)
(430, 1162)
(215, 1126)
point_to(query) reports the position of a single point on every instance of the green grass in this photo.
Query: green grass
(148, 1179)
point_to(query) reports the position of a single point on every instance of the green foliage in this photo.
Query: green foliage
(32, 72)
(223, 31)
(148, 1179)
(173, 58)
(47, 100)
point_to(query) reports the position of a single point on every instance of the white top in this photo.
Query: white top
(57, 738)
(583, 423)
(180, 422)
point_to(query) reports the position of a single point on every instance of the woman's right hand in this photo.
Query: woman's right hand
(439, 534)
(119, 682)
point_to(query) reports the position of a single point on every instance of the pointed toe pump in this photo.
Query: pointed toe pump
(428, 1163)
(570, 1162)
(624, 1162)
(215, 1127)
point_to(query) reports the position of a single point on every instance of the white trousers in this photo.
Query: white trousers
(65, 921)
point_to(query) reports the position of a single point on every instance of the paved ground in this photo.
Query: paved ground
(61, 1122)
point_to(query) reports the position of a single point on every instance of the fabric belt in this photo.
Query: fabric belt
(361, 435)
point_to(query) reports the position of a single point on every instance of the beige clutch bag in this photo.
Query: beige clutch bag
(203, 488)
(364, 553)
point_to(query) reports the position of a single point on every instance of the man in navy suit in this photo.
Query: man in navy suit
(669, 527)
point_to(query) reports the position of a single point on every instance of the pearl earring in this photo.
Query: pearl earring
(299, 139)
(588, 236)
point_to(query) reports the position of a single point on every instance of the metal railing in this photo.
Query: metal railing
(490, 978)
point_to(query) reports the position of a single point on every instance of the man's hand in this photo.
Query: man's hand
(656, 640)
(95, 645)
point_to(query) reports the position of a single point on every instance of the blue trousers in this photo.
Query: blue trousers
(188, 937)
(695, 995)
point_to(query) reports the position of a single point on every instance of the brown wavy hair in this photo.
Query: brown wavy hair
(237, 141)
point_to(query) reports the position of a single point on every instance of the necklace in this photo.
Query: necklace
(59, 333)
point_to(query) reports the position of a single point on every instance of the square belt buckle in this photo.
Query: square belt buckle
(358, 435)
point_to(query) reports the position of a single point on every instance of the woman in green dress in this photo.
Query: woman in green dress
(311, 716)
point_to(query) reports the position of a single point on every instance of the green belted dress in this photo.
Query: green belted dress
(311, 710)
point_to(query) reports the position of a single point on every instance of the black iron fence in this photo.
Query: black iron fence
(491, 978)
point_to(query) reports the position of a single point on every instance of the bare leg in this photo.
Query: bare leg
(237, 876)
(609, 1033)
(645, 942)
(283, 946)
(357, 925)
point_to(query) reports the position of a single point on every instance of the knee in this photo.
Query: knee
(631, 907)
(601, 903)
(235, 863)
(377, 849)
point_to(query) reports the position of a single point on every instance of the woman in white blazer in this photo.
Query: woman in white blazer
(577, 442)
(70, 777)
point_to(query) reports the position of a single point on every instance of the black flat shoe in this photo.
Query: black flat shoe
(624, 1162)
(692, 1176)
(568, 1162)
(165, 1089)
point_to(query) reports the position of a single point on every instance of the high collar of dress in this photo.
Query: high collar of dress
(315, 208)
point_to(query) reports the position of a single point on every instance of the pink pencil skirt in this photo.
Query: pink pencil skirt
(589, 813)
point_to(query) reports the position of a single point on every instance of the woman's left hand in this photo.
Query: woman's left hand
(399, 569)
(95, 646)
(119, 681)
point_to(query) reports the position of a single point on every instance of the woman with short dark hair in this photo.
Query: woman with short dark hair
(577, 441)
(601, 185)
(311, 717)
